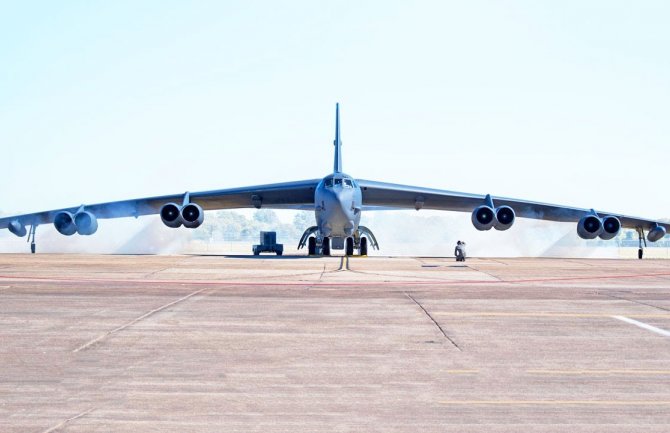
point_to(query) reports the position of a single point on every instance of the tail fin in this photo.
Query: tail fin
(338, 142)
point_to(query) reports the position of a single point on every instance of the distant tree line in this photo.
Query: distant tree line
(234, 226)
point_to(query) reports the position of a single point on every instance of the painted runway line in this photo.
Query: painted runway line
(557, 402)
(643, 325)
(339, 284)
(542, 314)
(585, 372)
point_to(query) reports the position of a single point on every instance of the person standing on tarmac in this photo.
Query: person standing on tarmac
(459, 252)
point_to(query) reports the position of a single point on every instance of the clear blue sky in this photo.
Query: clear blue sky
(564, 102)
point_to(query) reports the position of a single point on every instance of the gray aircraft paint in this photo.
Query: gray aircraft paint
(337, 208)
(338, 198)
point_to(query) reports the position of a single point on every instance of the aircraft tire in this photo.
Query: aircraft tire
(350, 246)
(325, 247)
(311, 246)
(364, 246)
(640, 253)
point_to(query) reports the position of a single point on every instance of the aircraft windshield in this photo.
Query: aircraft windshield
(346, 183)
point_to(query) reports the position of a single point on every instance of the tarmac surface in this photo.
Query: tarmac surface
(297, 344)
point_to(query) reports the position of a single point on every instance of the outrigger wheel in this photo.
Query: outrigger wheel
(350, 247)
(311, 246)
(642, 243)
(325, 246)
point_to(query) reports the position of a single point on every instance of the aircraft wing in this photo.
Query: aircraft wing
(382, 195)
(289, 195)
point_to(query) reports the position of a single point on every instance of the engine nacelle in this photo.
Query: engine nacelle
(192, 215)
(483, 218)
(64, 223)
(589, 227)
(656, 234)
(611, 227)
(17, 228)
(171, 215)
(86, 223)
(505, 217)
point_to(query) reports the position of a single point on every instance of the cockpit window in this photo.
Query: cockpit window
(339, 181)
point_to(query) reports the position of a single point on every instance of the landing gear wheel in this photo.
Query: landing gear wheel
(32, 247)
(279, 253)
(350, 247)
(311, 246)
(364, 246)
(640, 253)
(325, 246)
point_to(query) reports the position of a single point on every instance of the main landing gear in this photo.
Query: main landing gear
(311, 246)
(349, 246)
(359, 242)
(349, 249)
(364, 246)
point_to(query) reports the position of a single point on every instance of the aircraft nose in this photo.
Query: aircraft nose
(340, 214)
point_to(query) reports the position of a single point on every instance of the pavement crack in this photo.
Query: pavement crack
(318, 280)
(434, 321)
(151, 274)
(134, 321)
(62, 424)
(484, 272)
(636, 302)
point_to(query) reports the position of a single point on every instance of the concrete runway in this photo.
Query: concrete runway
(243, 344)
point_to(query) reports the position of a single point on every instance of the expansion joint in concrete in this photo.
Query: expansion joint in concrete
(433, 320)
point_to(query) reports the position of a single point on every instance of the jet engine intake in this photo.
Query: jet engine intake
(86, 223)
(483, 218)
(611, 227)
(17, 228)
(656, 234)
(64, 223)
(589, 227)
(171, 215)
(505, 217)
(192, 215)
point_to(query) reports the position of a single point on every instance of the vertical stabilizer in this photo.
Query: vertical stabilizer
(338, 142)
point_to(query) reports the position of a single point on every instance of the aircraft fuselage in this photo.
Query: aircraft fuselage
(338, 202)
